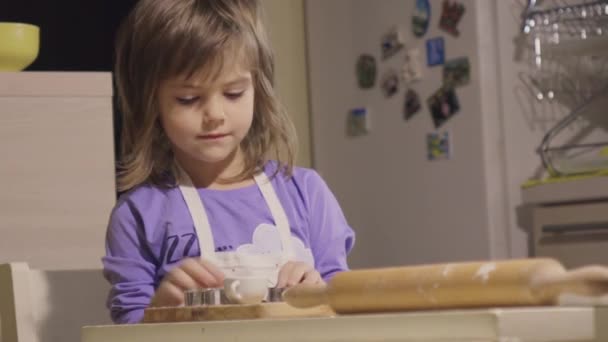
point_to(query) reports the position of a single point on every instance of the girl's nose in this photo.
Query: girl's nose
(214, 110)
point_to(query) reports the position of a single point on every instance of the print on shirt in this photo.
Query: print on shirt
(267, 241)
(173, 241)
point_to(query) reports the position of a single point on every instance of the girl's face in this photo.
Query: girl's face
(207, 122)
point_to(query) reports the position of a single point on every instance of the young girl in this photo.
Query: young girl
(207, 163)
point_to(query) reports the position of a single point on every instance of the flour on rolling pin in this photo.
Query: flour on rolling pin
(484, 271)
(447, 269)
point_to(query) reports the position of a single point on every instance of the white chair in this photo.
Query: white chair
(49, 305)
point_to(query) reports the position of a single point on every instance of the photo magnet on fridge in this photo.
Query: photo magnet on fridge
(358, 122)
(435, 52)
(390, 82)
(451, 13)
(443, 104)
(411, 71)
(421, 17)
(366, 71)
(392, 42)
(457, 72)
(438, 146)
(411, 104)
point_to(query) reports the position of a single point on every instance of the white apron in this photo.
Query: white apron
(235, 264)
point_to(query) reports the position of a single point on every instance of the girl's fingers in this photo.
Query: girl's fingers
(297, 273)
(181, 278)
(312, 277)
(190, 274)
(213, 270)
(202, 274)
(284, 274)
(293, 273)
(168, 294)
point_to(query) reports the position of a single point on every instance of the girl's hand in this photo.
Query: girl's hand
(296, 272)
(192, 273)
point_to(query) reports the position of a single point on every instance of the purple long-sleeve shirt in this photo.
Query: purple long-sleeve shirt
(151, 230)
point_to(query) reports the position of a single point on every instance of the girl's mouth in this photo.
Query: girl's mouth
(214, 136)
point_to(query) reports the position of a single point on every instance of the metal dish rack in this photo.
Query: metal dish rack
(570, 59)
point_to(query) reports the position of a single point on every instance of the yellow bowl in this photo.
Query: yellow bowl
(19, 44)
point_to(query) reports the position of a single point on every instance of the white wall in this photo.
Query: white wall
(404, 209)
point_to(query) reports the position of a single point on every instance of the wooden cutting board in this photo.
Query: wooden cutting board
(232, 312)
(524, 282)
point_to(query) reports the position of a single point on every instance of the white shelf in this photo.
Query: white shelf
(588, 189)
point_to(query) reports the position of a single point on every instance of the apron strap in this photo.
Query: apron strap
(199, 217)
(278, 214)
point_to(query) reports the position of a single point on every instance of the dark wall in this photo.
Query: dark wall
(75, 35)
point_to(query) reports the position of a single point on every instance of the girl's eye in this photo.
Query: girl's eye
(234, 95)
(187, 101)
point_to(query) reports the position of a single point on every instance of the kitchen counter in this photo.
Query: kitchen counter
(543, 324)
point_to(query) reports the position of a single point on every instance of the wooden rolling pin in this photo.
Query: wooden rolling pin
(456, 285)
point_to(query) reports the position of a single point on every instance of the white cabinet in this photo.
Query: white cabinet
(570, 220)
(57, 176)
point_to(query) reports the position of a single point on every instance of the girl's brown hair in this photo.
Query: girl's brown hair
(161, 39)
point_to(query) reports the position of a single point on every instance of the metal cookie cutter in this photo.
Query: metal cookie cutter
(275, 294)
(198, 297)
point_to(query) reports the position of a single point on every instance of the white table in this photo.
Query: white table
(564, 324)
